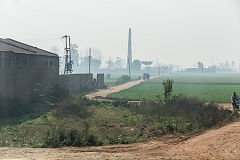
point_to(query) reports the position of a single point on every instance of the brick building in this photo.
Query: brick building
(25, 69)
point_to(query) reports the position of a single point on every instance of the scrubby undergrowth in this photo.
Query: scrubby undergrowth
(78, 121)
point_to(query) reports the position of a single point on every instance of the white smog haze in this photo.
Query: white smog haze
(172, 31)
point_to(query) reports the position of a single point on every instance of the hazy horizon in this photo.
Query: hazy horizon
(176, 32)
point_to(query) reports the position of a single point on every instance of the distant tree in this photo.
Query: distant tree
(226, 64)
(75, 54)
(110, 63)
(84, 65)
(97, 54)
(55, 50)
(118, 63)
(200, 66)
(233, 64)
(108, 76)
(168, 88)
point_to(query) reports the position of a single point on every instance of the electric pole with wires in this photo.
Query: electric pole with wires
(89, 61)
(68, 56)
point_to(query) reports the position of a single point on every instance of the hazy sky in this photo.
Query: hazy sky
(175, 31)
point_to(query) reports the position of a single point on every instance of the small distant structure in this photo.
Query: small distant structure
(201, 69)
(25, 69)
(158, 69)
(136, 66)
(147, 62)
(146, 76)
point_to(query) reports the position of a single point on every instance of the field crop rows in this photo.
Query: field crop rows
(209, 87)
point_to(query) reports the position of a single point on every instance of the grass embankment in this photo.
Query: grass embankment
(208, 87)
(77, 121)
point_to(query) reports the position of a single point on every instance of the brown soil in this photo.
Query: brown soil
(103, 93)
(221, 143)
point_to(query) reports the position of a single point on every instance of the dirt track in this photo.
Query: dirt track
(105, 92)
(222, 143)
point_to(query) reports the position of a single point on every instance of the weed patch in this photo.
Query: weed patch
(183, 114)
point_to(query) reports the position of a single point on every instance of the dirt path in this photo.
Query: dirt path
(222, 143)
(103, 93)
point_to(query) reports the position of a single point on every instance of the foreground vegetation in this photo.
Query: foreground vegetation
(208, 87)
(77, 121)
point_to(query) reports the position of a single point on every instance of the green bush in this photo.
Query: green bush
(59, 137)
(13, 107)
(185, 114)
(168, 88)
(75, 105)
(108, 76)
(123, 79)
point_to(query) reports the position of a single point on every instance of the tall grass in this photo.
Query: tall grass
(183, 114)
(59, 136)
(13, 107)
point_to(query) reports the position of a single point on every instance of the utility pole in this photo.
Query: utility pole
(159, 69)
(68, 56)
(89, 65)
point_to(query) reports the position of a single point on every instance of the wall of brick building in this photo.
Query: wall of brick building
(22, 76)
(100, 81)
(77, 82)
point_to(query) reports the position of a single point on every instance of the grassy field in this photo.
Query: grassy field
(208, 87)
(81, 122)
(77, 121)
(106, 123)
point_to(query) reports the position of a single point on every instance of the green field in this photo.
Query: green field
(208, 87)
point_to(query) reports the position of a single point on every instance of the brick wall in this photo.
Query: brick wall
(77, 82)
(22, 76)
(100, 81)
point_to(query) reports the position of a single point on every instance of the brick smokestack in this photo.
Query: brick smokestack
(129, 58)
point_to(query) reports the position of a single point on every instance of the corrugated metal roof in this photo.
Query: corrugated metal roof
(19, 47)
